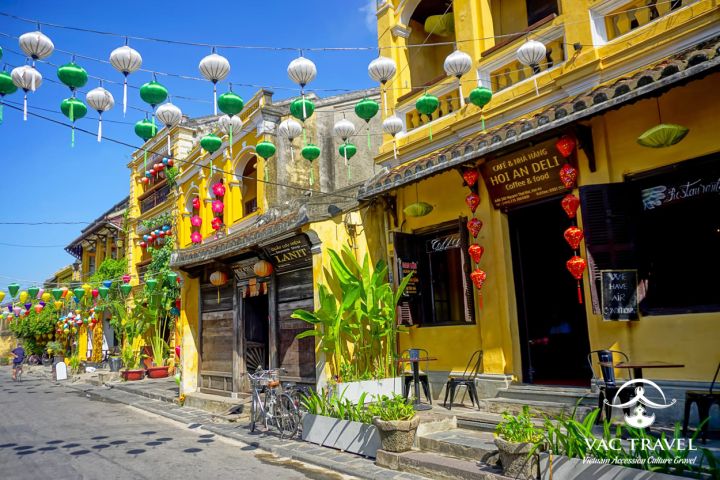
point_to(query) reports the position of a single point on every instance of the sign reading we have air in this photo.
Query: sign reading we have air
(524, 176)
(619, 294)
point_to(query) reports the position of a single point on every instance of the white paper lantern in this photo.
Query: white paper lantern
(101, 101)
(215, 68)
(392, 126)
(458, 64)
(302, 71)
(27, 78)
(344, 129)
(169, 115)
(125, 60)
(382, 69)
(531, 53)
(290, 129)
(36, 45)
(232, 125)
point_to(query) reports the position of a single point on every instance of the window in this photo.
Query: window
(432, 22)
(663, 224)
(249, 186)
(440, 292)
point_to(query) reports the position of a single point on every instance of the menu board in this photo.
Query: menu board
(524, 176)
(619, 295)
(410, 268)
(291, 253)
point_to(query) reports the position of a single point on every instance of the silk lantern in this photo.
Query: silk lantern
(310, 152)
(27, 78)
(476, 252)
(290, 129)
(474, 225)
(570, 204)
(216, 223)
(153, 93)
(196, 237)
(345, 129)
(211, 143)
(231, 125)
(33, 292)
(392, 126)
(170, 116)
(218, 278)
(470, 176)
(481, 96)
(126, 278)
(101, 101)
(568, 175)
(457, 64)
(125, 60)
(215, 68)
(150, 284)
(74, 109)
(573, 236)
(478, 278)
(145, 129)
(366, 109)
(302, 71)
(472, 201)
(565, 145)
(382, 69)
(263, 268)
(576, 266)
(218, 207)
(196, 203)
(230, 103)
(46, 297)
(23, 296)
(418, 209)
(265, 150)
(218, 189)
(125, 288)
(36, 45)
(74, 77)
(103, 291)
(531, 53)
(2, 295)
(7, 87)
(426, 105)
(195, 221)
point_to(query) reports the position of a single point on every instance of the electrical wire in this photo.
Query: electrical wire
(30, 245)
(45, 223)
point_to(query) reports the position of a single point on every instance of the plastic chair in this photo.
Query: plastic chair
(704, 399)
(607, 386)
(467, 380)
(407, 375)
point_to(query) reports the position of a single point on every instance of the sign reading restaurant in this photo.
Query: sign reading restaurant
(524, 176)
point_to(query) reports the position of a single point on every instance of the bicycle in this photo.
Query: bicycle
(276, 408)
(18, 372)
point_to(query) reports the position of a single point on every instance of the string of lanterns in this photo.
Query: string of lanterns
(474, 225)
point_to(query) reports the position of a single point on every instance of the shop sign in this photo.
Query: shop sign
(672, 192)
(441, 244)
(524, 176)
(619, 294)
(291, 253)
(410, 268)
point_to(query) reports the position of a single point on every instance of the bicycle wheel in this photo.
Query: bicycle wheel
(256, 411)
(287, 416)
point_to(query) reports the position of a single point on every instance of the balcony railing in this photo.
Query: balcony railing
(446, 91)
(154, 198)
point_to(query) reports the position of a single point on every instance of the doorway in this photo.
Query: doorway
(256, 316)
(552, 324)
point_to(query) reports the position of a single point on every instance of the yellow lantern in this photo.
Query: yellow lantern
(45, 297)
(86, 287)
(2, 295)
(58, 305)
(218, 278)
(263, 268)
(23, 296)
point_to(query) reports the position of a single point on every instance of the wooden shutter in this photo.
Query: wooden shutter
(609, 215)
(407, 249)
(466, 269)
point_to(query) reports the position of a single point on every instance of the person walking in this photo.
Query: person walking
(18, 357)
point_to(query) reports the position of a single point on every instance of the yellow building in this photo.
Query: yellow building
(609, 71)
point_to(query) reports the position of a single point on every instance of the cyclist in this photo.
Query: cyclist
(18, 357)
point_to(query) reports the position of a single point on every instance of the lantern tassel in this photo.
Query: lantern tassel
(537, 93)
(460, 92)
(99, 137)
(579, 291)
(266, 171)
(385, 101)
(394, 148)
(72, 136)
(312, 175)
(368, 137)
(482, 119)
(25, 108)
(231, 142)
(218, 294)
(169, 146)
(145, 159)
(125, 96)
(214, 98)
(302, 92)
(430, 130)
(292, 155)
(1, 113)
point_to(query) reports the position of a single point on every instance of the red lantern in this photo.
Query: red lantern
(574, 236)
(196, 203)
(470, 176)
(576, 266)
(218, 189)
(472, 201)
(170, 162)
(565, 145)
(476, 252)
(568, 175)
(145, 180)
(196, 237)
(263, 268)
(474, 225)
(143, 245)
(95, 292)
(478, 278)
(570, 204)
(216, 223)
(38, 308)
(126, 278)
(160, 167)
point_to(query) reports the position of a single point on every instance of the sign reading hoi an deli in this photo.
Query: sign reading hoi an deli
(291, 253)
(524, 176)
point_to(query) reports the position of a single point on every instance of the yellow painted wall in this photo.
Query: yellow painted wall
(189, 326)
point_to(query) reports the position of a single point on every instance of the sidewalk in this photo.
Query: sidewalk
(161, 404)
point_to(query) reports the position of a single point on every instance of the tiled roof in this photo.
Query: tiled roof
(696, 61)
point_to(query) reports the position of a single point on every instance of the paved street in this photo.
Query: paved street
(50, 431)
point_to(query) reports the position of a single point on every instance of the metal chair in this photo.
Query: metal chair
(467, 380)
(407, 375)
(704, 399)
(607, 386)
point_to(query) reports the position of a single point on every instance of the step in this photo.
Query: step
(459, 443)
(515, 406)
(435, 465)
(565, 395)
(218, 404)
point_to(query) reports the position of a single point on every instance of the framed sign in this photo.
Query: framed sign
(619, 294)
(524, 176)
(290, 254)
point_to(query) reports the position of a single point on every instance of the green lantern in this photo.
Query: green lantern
(13, 288)
(480, 97)
(57, 293)
(426, 105)
(367, 109)
(103, 291)
(230, 103)
(150, 284)
(418, 209)
(6, 88)
(310, 152)
(153, 93)
(74, 109)
(145, 129)
(72, 75)
(663, 135)
(79, 293)
(302, 109)
(171, 278)
(33, 291)
(125, 288)
(266, 150)
(347, 150)
(211, 143)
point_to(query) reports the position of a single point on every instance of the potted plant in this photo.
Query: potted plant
(516, 437)
(55, 349)
(395, 419)
(131, 360)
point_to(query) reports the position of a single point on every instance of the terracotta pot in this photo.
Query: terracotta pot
(397, 435)
(516, 460)
(131, 375)
(158, 372)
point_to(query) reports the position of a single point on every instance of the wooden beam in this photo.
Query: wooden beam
(273, 330)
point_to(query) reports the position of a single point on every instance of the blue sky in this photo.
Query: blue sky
(47, 180)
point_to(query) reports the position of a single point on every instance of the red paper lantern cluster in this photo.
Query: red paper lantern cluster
(218, 207)
(570, 203)
(157, 171)
(474, 225)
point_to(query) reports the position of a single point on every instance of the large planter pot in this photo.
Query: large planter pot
(516, 460)
(373, 388)
(158, 372)
(131, 375)
(397, 435)
(353, 437)
(115, 364)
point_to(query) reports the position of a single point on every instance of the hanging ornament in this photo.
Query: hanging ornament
(145, 129)
(125, 288)
(79, 293)
(392, 126)
(265, 150)
(153, 93)
(196, 237)
(2, 295)
(426, 105)
(570, 204)
(196, 221)
(7, 87)
(125, 60)
(457, 64)
(344, 129)
(33, 292)
(310, 152)
(57, 293)
(531, 53)
(170, 116)
(101, 101)
(470, 175)
(263, 268)
(218, 189)
(211, 143)
(290, 129)
(367, 109)
(74, 109)
(382, 69)
(232, 125)
(347, 150)
(480, 97)
(478, 278)
(574, 236)
(230, 103)
(418, 209)
(72, 75)
(150, 284)
(302, 71)
(196, 203)
(23, 296)
(218, 206)
(568, 175)
(472, 201)
(663, 135)
(215, 68)
(103, 291)
(36, 45)
(302, 109)
(216, 223)
(474, 225)
(565, 145)
(218, 278)
(576, 266)
(95, 292)
(27, 78)
(476, 252)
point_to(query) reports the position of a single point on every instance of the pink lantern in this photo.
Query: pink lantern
(218, 206)
(40, 293)
(195, 221)
(219, 189)
(95, 292)
(196, 237)
(196, 203)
